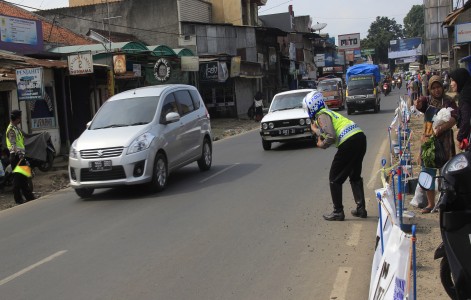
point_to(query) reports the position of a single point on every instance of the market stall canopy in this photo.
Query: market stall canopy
(162, 50)
(183, 52)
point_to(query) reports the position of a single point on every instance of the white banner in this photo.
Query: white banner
(393, 278)
(388, 217)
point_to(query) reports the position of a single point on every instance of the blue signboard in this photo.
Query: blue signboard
(405, 48)
(21, 35)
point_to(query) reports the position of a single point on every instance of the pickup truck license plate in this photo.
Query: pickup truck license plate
(100, 165)
(287, 131)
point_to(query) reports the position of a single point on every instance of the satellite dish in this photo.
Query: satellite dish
(318, 26)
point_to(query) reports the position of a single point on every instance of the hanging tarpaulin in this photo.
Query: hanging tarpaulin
(30, 84)
(223, 72)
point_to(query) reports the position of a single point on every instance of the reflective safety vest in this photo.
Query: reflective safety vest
(344, 128)
(20, 141)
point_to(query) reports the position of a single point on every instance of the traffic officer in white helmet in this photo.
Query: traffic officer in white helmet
(333, 128)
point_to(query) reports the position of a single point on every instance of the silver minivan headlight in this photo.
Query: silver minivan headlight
(141, 143)
(73, 153)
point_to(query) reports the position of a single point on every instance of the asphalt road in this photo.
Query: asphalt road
(250, 228)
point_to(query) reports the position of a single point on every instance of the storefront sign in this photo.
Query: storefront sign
(43, 112)
(328, 70)
(190, 63)
(42, 123)
(162, 70)
(349, 41)
(235, 66)
(20, 35)
(369, 51)
(119, 64)
(30, 84)
(463, 33)
(136, 69)
(209, 71)
(319, 60)
(81, 63)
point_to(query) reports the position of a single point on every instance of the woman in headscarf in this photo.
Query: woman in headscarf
(430, 106)
(462, 78)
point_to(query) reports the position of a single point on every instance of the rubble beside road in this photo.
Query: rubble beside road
(46, 183)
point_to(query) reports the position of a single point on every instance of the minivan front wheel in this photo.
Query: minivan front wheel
(204, 163)
(159, 173)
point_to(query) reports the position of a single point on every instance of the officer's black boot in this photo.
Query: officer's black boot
(336, 193)
(359, 196)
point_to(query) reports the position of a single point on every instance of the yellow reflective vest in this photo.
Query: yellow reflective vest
(20, 141)
(344, 127)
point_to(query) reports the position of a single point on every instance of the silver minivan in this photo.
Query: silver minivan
(140, 136)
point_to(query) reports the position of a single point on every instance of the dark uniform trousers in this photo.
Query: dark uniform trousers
(20, 182)
(347, 163)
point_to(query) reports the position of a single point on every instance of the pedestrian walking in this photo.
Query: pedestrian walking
(16, 144)
(333, 128)
(258, 105)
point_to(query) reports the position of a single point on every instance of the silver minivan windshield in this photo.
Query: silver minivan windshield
(125, 112)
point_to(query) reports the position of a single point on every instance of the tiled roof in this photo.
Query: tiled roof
(52, 33)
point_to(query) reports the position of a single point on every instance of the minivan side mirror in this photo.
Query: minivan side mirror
(172, 117)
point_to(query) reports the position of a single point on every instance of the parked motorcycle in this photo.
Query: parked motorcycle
(455, 224)
(386, 88)
(40, 151)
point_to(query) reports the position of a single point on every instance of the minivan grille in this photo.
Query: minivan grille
(116, 172)
(101, 153)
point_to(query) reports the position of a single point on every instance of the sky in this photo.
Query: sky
(341, 16)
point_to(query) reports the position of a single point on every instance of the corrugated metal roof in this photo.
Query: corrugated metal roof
(453, 16)
(99, 48)
(10, 62)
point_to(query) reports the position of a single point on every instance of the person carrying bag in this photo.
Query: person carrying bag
(430, 106)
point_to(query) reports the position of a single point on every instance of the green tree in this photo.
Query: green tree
(414, 22)
(381, 31)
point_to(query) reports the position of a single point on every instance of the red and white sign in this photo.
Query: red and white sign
(463, 33)
(349, 41)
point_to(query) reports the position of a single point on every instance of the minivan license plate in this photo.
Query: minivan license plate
(100, 165)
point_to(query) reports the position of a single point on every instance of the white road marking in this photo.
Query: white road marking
(27, 269)
(377, 164)
(220, 172)
(339, 291)
(354, 238)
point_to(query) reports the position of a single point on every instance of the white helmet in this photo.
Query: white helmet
(313, 102)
